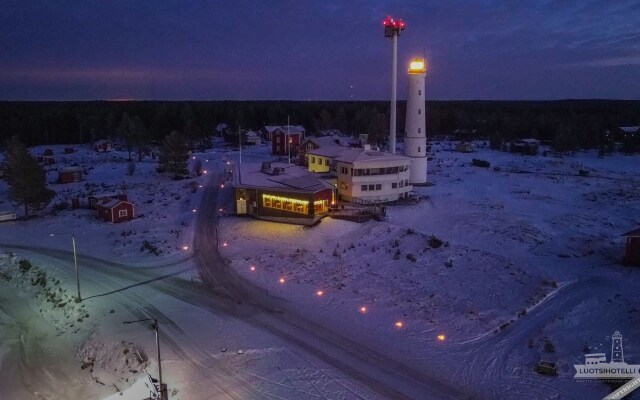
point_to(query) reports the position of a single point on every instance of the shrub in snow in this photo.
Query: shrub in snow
(335, 252)
(448, 263)
(549, 347)
(24, 265)
(480, 163)
(396, 256)
(434, 242)
(411, 257)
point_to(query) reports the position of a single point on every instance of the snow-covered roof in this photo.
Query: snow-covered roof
(322, 141)
(291, 177)
(252, 134)
(111, 203)
(71, 169)
(352, 156)
(530, 141)
(629, 129)
(328, 151)
(293, 129)
(633, 233)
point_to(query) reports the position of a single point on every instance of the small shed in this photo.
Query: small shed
(465, 147)
(632, 254)
(102, 146)
(69, 175)
(115, 210)
(253, 137)
(525, 146)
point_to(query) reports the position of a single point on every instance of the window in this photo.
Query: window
(406, 182)
(277, 148)
(418, 149)
(401, 183)
(277, 139)
(419, 110)
(372, 187)
(379, 186)
(122, 213)
(309, 146)
(363, 188)
(326, 162)
(313, 160)
(394, 185)
(285, 204)
(419, 92)
(419, 130)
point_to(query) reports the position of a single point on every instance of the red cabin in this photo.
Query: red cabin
(114, 210)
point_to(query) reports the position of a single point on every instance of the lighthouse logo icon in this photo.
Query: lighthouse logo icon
(596, 366)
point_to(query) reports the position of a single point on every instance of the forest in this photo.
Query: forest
(569, 124)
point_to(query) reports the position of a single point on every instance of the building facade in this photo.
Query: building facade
(367, 176)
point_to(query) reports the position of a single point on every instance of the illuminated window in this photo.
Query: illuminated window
(285, 204)
(320, 206)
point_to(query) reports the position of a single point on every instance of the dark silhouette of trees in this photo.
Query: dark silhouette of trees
(26, 178)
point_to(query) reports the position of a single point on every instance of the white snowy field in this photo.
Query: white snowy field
(524, 259)
(530, 253)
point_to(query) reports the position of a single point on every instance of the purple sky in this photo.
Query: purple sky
(318, 50)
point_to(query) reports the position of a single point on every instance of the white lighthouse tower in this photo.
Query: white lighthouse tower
(415, 140)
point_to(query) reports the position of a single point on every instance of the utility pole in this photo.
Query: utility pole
(156, 327)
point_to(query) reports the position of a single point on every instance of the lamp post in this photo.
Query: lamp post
(163, 392)
(75, 262)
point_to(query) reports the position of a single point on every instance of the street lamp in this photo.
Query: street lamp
(156, 327)
(75, 262)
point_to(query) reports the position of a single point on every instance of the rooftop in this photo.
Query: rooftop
(331, 151)
(290, 177)
(362, 155)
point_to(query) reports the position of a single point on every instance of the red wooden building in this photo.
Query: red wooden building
(115, 210)
(94, 199)
(69, 175)
(286, 140)
(102, 146)
(632, 254)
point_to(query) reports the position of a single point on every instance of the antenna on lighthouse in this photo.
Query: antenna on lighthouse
(392, 29)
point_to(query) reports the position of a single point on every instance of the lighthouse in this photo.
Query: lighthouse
(415, 140)
(617, 354)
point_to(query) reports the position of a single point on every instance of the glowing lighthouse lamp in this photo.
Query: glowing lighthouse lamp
(392, 29)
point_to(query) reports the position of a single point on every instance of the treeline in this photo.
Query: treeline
(574, 123)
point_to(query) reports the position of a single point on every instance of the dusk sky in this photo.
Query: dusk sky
(318, 50)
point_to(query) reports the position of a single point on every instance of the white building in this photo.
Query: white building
(415, 141)
(367, 176)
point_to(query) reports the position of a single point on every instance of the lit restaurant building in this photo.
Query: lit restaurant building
(281, 192)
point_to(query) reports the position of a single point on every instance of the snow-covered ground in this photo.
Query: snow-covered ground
(500, 261)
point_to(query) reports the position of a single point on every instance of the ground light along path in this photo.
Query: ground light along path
(386, 376)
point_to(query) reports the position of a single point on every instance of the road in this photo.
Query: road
(222, 292)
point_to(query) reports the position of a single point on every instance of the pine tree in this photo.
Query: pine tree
(27, 179)
(174, 155)
(139, 135)
(125, 132)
